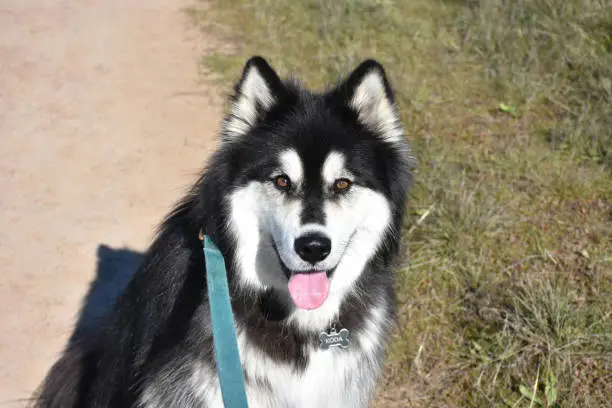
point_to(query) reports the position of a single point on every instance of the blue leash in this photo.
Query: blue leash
(227, 355)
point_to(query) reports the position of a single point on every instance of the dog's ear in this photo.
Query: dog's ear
(367, 91)
(257, 92)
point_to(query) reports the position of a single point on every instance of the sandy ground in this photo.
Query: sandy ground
(102, 126)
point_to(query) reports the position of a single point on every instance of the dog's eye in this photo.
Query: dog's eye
(342, 185)
(282, 182)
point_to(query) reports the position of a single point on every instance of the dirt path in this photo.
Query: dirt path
(102, 125)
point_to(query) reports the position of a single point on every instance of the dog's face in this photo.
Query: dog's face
(314, 181)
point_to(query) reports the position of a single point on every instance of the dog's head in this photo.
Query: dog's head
(317, 182)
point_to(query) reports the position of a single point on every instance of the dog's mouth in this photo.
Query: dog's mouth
(308, 288)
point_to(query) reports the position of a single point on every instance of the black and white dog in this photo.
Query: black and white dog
(305, 198)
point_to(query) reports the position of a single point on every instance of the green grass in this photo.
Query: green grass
(506, 299)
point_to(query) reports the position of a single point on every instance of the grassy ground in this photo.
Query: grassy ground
(506, 299)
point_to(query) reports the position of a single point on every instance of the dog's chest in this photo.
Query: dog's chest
(335, 378)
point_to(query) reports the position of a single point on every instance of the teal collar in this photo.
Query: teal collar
(227, 356)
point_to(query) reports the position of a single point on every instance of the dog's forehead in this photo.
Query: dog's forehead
(316, 141)
(327, 167)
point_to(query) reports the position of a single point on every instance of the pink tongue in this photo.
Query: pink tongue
(309, 290)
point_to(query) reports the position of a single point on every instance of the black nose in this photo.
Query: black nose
(312, 248)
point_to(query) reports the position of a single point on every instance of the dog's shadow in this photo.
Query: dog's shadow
(114, 269)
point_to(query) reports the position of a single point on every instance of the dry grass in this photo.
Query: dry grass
(507, 296)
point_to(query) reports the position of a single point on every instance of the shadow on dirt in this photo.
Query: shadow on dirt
(114, 269)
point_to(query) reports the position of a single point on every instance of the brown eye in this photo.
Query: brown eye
(282, 182)
(342, 185)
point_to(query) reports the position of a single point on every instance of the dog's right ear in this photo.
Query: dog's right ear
(257, 92)
(368, 93)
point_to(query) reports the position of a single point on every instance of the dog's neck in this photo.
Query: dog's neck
(274, 307)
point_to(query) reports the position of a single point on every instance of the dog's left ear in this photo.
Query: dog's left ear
(257, 92)
(367, 91)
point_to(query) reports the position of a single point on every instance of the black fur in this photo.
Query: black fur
(161, 321)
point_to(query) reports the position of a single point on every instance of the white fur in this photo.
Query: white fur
(333, 168)
(376, 110)
(253, 91)
(244, 226)
(291, 165)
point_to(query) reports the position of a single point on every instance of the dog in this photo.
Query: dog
(305, 198)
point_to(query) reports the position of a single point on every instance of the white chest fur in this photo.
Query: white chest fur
(335, 378)
(332, 378)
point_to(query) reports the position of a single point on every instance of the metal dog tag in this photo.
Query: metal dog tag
(334, 339)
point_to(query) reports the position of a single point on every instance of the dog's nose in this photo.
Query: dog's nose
(312, 248)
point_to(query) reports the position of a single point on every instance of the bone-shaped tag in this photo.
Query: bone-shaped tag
(334, 339)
